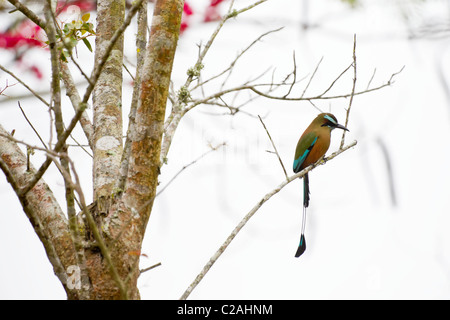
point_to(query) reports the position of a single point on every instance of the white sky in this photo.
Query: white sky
(360, 246)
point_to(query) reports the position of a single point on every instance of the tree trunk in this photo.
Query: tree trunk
(124, 216)
(107, 104)
(95, 254)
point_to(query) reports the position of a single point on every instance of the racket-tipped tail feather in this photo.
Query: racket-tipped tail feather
(301, 246)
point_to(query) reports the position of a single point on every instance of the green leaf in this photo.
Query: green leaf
(66, 28)
(88, 45)
(64, 55)
(91, 28)
(85, 17)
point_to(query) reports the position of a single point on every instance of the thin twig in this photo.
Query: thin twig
(74, 96)
(34, 93)
(178, 109)
(31, 125)
(59, 145)
(48, 151)
(352, 94)
(317, 97)
(149, 268)
(78, 144)
(275, 148)
(294, 73)
(335, 80)
(188, 165)
(312, 76)
(28, 13)
(371, 78)
(320, 96)
(233, 63)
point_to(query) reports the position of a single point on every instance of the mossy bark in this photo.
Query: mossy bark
(98, 256)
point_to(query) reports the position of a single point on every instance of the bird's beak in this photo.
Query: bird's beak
(340, 126)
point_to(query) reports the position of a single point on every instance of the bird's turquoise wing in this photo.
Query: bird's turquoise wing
(304, 147)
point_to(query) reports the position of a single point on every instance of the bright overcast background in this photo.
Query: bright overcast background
(378, 220)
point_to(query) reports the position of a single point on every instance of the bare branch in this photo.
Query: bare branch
(141, 43)
(178, 111)
(50, 30)
(232, 13)
(28, 13)
(353, 91)
(312, 76)
(149, 268)
(317, 97)
(371, 78)
(99, 67)
(275, 148)
(39, 205)
(188, 165)
(294, 73)
(72, 93)
(59, 145)
(34, 93)
(250, 214)
(31, 125)
(335, 80)
(233, 63)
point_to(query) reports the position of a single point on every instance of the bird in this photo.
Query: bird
(311, 147)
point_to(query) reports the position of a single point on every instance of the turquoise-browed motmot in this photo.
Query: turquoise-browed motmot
(311, 147)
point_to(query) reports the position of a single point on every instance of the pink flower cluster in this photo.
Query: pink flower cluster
(211, 13)
(22, 36)
(25, 35)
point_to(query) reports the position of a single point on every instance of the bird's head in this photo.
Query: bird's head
(330, 121)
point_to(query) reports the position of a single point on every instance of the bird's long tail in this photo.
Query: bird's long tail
(305, 191)
(302, 244)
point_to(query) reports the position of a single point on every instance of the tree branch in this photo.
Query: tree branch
(275, 148)
(188, 165)
(28, 13)
(72, 93)
(102, 60)
(34, 93)
(141, 43)
(147, 133)
(93, 227)
(107, 101)
(178, 109)
(58, 147)
(353, 92)
(250, 214)
(41, 208)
